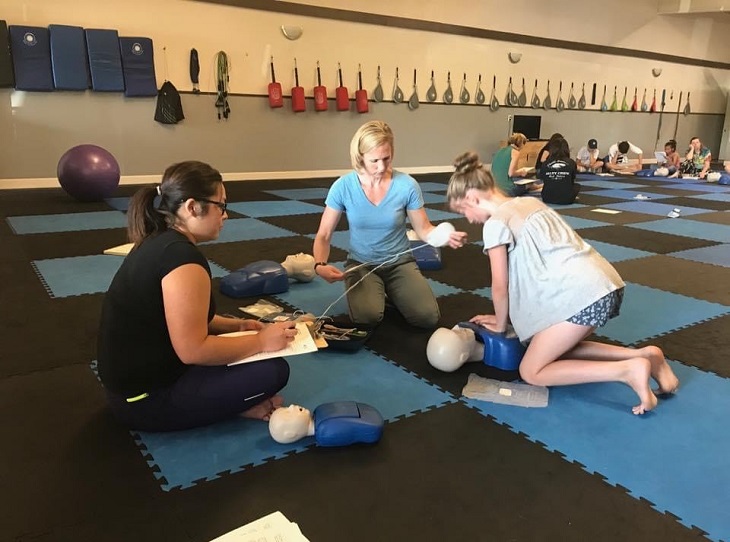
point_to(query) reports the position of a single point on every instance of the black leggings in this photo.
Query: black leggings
(202, 395)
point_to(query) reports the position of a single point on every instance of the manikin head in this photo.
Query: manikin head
(289, 424)
(299, 267)
(449, 349)
(661, 171)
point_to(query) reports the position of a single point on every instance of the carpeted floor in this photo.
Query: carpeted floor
(447, 468)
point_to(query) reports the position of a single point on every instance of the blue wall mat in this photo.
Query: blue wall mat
(592, 424)
(602, 182)
(647, 312)
(275, 208)
(615, 253)
(205, 454)
(79, 275)
(300, 193)
(99, 220)
(248, 229)
(688, 228)
(628, 194)
(653, 208)
(580, 223)
(120, 204)
(715, 255)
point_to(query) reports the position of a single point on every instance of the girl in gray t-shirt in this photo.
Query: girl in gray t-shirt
(555, 288)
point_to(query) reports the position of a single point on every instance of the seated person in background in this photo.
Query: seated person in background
(587, 158)
(672, 161)
(504, 166)
(542, 156)
(617, 160)
(160, 356)
(558, 175)
(697, 159)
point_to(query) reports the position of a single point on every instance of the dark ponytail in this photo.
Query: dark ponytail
(180, 182)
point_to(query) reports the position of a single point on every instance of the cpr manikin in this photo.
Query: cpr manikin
(299, 267)
(339, 423)
(449, 349)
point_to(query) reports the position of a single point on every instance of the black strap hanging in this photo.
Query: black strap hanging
(221, 78)
(194, 70)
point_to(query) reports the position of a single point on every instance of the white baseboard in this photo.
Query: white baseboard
(52, 182)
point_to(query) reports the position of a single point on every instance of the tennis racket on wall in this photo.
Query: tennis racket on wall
(378, 90)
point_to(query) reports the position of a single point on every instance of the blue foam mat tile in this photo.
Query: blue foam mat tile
(688, 228)
(592, 426)
(259, 209)
(80, 275)
(578, 223)
(653, 208)
(316, 296)
(185, 458)
(432, 187)
(596, 181)
(97, 220)
(615, 253)
(431, 198)
(628, 194)
(714, 255)
(701, 186)
(717, 196)
(435, 215)
(119, 203)
(300, 193)
(248, 229)
(647, 312)
(561, 207)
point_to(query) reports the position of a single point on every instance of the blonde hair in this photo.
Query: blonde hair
(470, 174)
(369, 136)
(517, 139)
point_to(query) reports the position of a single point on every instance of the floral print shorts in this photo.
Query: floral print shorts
(600, 312)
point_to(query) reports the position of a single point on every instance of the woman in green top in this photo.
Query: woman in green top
(504, 166)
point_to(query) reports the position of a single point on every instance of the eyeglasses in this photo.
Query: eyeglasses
(222, 205)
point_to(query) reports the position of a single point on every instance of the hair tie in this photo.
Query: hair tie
(159, 192)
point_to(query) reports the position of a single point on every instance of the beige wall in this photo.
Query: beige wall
(36, 128)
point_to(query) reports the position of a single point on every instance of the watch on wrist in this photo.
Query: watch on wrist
(318, 264)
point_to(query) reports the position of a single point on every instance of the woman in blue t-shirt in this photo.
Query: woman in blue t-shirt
(377, 200)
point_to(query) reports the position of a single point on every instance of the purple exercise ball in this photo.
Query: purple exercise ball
(88, 173)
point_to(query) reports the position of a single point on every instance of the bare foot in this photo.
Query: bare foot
(262, 411)
(639, 371)
(660, 370)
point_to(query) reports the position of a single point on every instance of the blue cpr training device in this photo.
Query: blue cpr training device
(500, 351)
(258, 278)
(343, 423)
